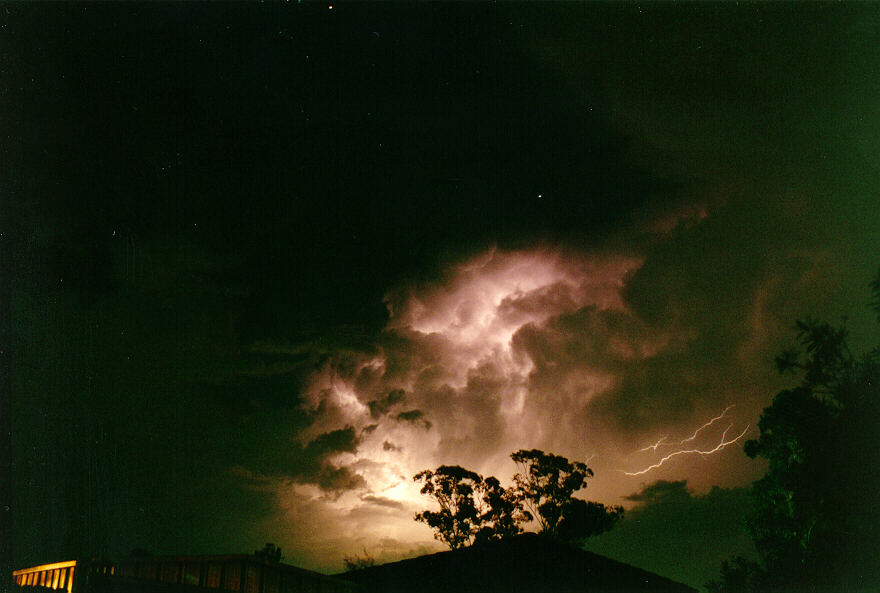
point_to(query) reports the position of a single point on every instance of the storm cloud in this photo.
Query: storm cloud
(676, 523)
(314, 462)
(266, 265)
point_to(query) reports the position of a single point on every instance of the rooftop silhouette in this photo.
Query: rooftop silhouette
(527, 563)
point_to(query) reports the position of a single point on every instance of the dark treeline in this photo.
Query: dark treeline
(815, 520)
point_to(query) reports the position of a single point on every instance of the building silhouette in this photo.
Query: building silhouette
(528, 563)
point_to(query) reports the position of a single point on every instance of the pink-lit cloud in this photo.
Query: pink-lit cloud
(506, 350)
(545, 348)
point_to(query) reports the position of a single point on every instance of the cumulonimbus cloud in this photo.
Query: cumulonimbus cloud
(475, 365)
(507, 350)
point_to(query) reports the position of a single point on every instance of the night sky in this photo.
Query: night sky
(268, 261)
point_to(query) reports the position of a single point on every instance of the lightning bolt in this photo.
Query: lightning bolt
(653, 447)
(706, 425)
(721, 445)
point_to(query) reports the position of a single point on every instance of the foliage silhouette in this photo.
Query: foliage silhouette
(582, 519)
(547, 483)
(270, 553)
(358, 562)
(738, 574)
(453, 487)
(503, 512)
(477, 510)
(815, 519)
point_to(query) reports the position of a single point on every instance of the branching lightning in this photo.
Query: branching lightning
(664, 442)
(653, 447)
(721, 445)
(706, 425)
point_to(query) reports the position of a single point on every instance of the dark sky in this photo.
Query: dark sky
(270, 260)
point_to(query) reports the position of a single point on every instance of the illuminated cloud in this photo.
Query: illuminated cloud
(383, 404)
(507, 350)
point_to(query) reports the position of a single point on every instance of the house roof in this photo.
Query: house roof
(526, 563)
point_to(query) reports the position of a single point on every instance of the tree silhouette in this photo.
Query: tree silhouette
(737, 575)
(270, 553)
(503, 512)
(358, 562)
(547, 483)
(477, 510)
(815, 519)
(453, 487)
(582, 519)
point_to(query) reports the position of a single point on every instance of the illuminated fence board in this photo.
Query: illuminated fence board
(235, 573)
(212, 577)
(58, 575)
